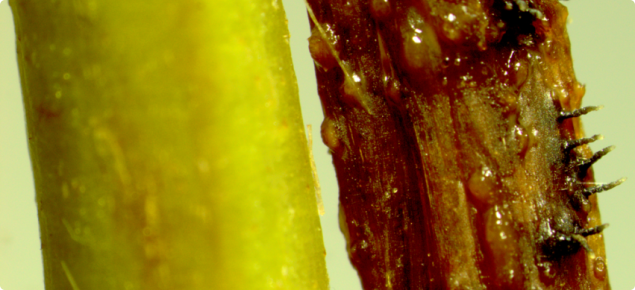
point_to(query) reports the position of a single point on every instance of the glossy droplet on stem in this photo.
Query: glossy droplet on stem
(535, 137)
(502, 242)
(393, 91)
(509, 101)
(599, 268)
(421, 48)
(521, 72)
(450, 28)
(392, 86)
(380, 9)
(483, 186)
(330, 134)
(521, 138)
(353, 93)
(321, 53)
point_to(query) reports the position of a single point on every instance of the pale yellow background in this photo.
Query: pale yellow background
(603, 45)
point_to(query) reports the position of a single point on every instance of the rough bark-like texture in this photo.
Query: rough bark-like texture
(450, 128)
(167, 145)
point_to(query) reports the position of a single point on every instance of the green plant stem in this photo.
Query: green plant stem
(167, 145)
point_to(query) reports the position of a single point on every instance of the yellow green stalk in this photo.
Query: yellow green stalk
(167, 145)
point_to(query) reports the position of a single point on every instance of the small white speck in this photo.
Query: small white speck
(451, 16)
(416, 39)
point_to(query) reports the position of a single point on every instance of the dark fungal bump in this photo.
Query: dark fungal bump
(561, 237)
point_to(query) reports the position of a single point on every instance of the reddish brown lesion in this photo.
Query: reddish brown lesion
(46, 112)
(442, 119)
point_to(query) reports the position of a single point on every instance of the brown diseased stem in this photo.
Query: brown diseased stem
(449, 134)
